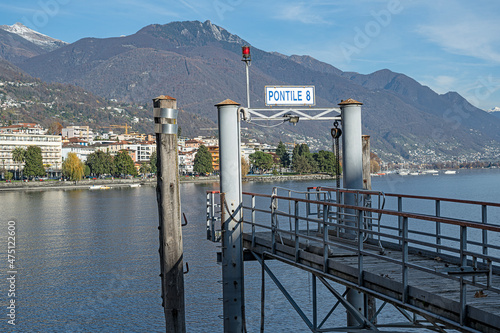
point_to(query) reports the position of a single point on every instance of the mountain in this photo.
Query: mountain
(45, 42)
(24, 98)
(495, 111)
(16, 49)
(200, 64)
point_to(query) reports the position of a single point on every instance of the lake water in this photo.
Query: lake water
(87, 261)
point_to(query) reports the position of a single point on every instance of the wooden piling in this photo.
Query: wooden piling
(169, 211)
(371, 308)
(367, 179)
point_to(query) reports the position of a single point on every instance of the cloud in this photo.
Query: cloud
(16, 9)
(470, 35)
(444, 83)
(303, 13)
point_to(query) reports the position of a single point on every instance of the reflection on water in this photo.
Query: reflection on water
(88, 260)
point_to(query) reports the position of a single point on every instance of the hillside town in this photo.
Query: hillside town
(83, 141)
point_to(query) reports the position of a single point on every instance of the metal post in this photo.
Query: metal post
(404, 260)
(484, 220)
(463, 285)
(315, 302)
(230, 188)
(352, 179)
(247, 64)
(438, 225)
(169, 211)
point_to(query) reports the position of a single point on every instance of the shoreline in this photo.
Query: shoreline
(114, 183)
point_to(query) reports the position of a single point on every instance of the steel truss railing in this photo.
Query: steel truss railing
(305, 113)
(473, 259)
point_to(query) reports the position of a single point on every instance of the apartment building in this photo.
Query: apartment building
(81, 132)
(51, 146)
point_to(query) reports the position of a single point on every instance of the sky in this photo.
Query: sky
(446, 45)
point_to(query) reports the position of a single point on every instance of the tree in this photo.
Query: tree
(18, 156)
(245, 167)
(295, 153)
(124, 165)
(262, 161)
(73, 168)
(153, 161)
(302, 159)
(281, 149)
(374, 166)
(325, 161)
(301, 165)
(203, 161)
(55, 128)
(375, 162)
(100, 163)
(34, 162)
(285, 160)
(8, 176)
(86, 170)
(304, 149)
(283, 155)
(145, 168)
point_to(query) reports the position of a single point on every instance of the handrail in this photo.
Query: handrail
(412, 196)
(350, 227)
(425, 217)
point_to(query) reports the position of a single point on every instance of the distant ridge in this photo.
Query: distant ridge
(495, 111)
(199, 64)
(45, 42)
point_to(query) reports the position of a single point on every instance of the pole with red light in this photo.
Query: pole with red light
(245, 51)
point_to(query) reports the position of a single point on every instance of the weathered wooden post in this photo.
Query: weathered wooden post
(169, 211)
(367, 179)
(367, 185)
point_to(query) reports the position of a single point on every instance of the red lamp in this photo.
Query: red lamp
(245, 51)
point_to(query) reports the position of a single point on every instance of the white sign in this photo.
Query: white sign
(290, 95)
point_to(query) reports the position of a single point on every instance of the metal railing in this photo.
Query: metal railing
(319, 218)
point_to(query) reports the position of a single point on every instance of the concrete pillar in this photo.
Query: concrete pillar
(352, 178)
(231, 201)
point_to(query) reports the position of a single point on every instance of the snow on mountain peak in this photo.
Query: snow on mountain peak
(495, 109)
(44, 41)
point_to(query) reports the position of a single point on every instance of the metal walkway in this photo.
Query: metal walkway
(442, 266)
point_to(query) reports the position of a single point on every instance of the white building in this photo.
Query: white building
(23, 128)
(82, 152)
(186, 162)
(144, 151)
(51, 146)
(81, 132)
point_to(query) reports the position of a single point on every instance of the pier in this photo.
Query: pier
(439, 269)
(440, 272)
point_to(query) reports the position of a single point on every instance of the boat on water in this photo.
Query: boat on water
(414, 173)
(135, 185)
(430, 171)
(450, 172)
(99, 187)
